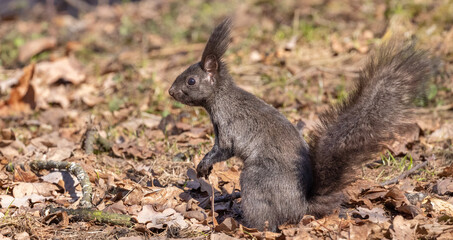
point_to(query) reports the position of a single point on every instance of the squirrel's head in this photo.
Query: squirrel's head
(199, 83)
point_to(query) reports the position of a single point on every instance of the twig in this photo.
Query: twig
(89, 139)
(83, 214)
(76, 170)
(214, 221)
(405, 174)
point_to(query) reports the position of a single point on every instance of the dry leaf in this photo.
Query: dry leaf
(401, 229)
(130, 149)
(447, 172)
(22, 96)
(397, 196)
(67, 69)
(221, 236)
(22, 236)
(166, 197)
(444, 187)
(51, 140)
(132, 238)
(228, 225)
(117, 207)
(59, 154)
(359, 232)
(36, 46)
(24, 176)
(9, 201)
(439, 206)
(24, 189)
(149, 120)
(443, 133)
(375, 215)
(134, 197)
(159, 220)
(14, 149)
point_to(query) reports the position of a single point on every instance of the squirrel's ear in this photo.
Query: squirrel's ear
(210, 64)
(216, 46)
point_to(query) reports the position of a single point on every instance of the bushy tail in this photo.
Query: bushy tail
(353, 132)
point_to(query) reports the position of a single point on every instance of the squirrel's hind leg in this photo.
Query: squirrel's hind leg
(270, 196)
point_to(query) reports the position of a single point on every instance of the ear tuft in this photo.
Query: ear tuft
(217, 45)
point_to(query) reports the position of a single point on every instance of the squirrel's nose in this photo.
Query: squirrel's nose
(171, 91)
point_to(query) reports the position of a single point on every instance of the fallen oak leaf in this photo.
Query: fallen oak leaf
(444, 187)
(397, 199)
(228, 225)
(25, 189)
(13, 149)
(117, 207)
(359, 232)
(150, 121)
(130, 149)
(62, 218)
(376, 215)
(439, 205)
(159, 220)
(22, 96)
(162, 197)
(447, 172)
(401, 229)
(67, 69)
(10, 201)
(23, 86)
(223, 236)
(445, 132)
(36, 46)
(24, 175)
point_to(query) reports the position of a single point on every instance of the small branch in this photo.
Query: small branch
(405, 174)
(83, 214)
(74, 169)
(89, 139)
(214, 222)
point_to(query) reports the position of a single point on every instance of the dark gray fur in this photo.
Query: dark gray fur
(283, 177)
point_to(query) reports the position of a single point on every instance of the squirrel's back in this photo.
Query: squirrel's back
(353, 132)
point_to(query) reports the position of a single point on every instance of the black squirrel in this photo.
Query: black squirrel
(283, 177)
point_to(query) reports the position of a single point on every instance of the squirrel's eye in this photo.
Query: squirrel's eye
(191, 81)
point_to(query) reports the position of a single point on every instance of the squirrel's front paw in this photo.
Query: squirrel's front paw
(204, 169)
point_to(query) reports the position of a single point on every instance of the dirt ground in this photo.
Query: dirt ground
(86, 82)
